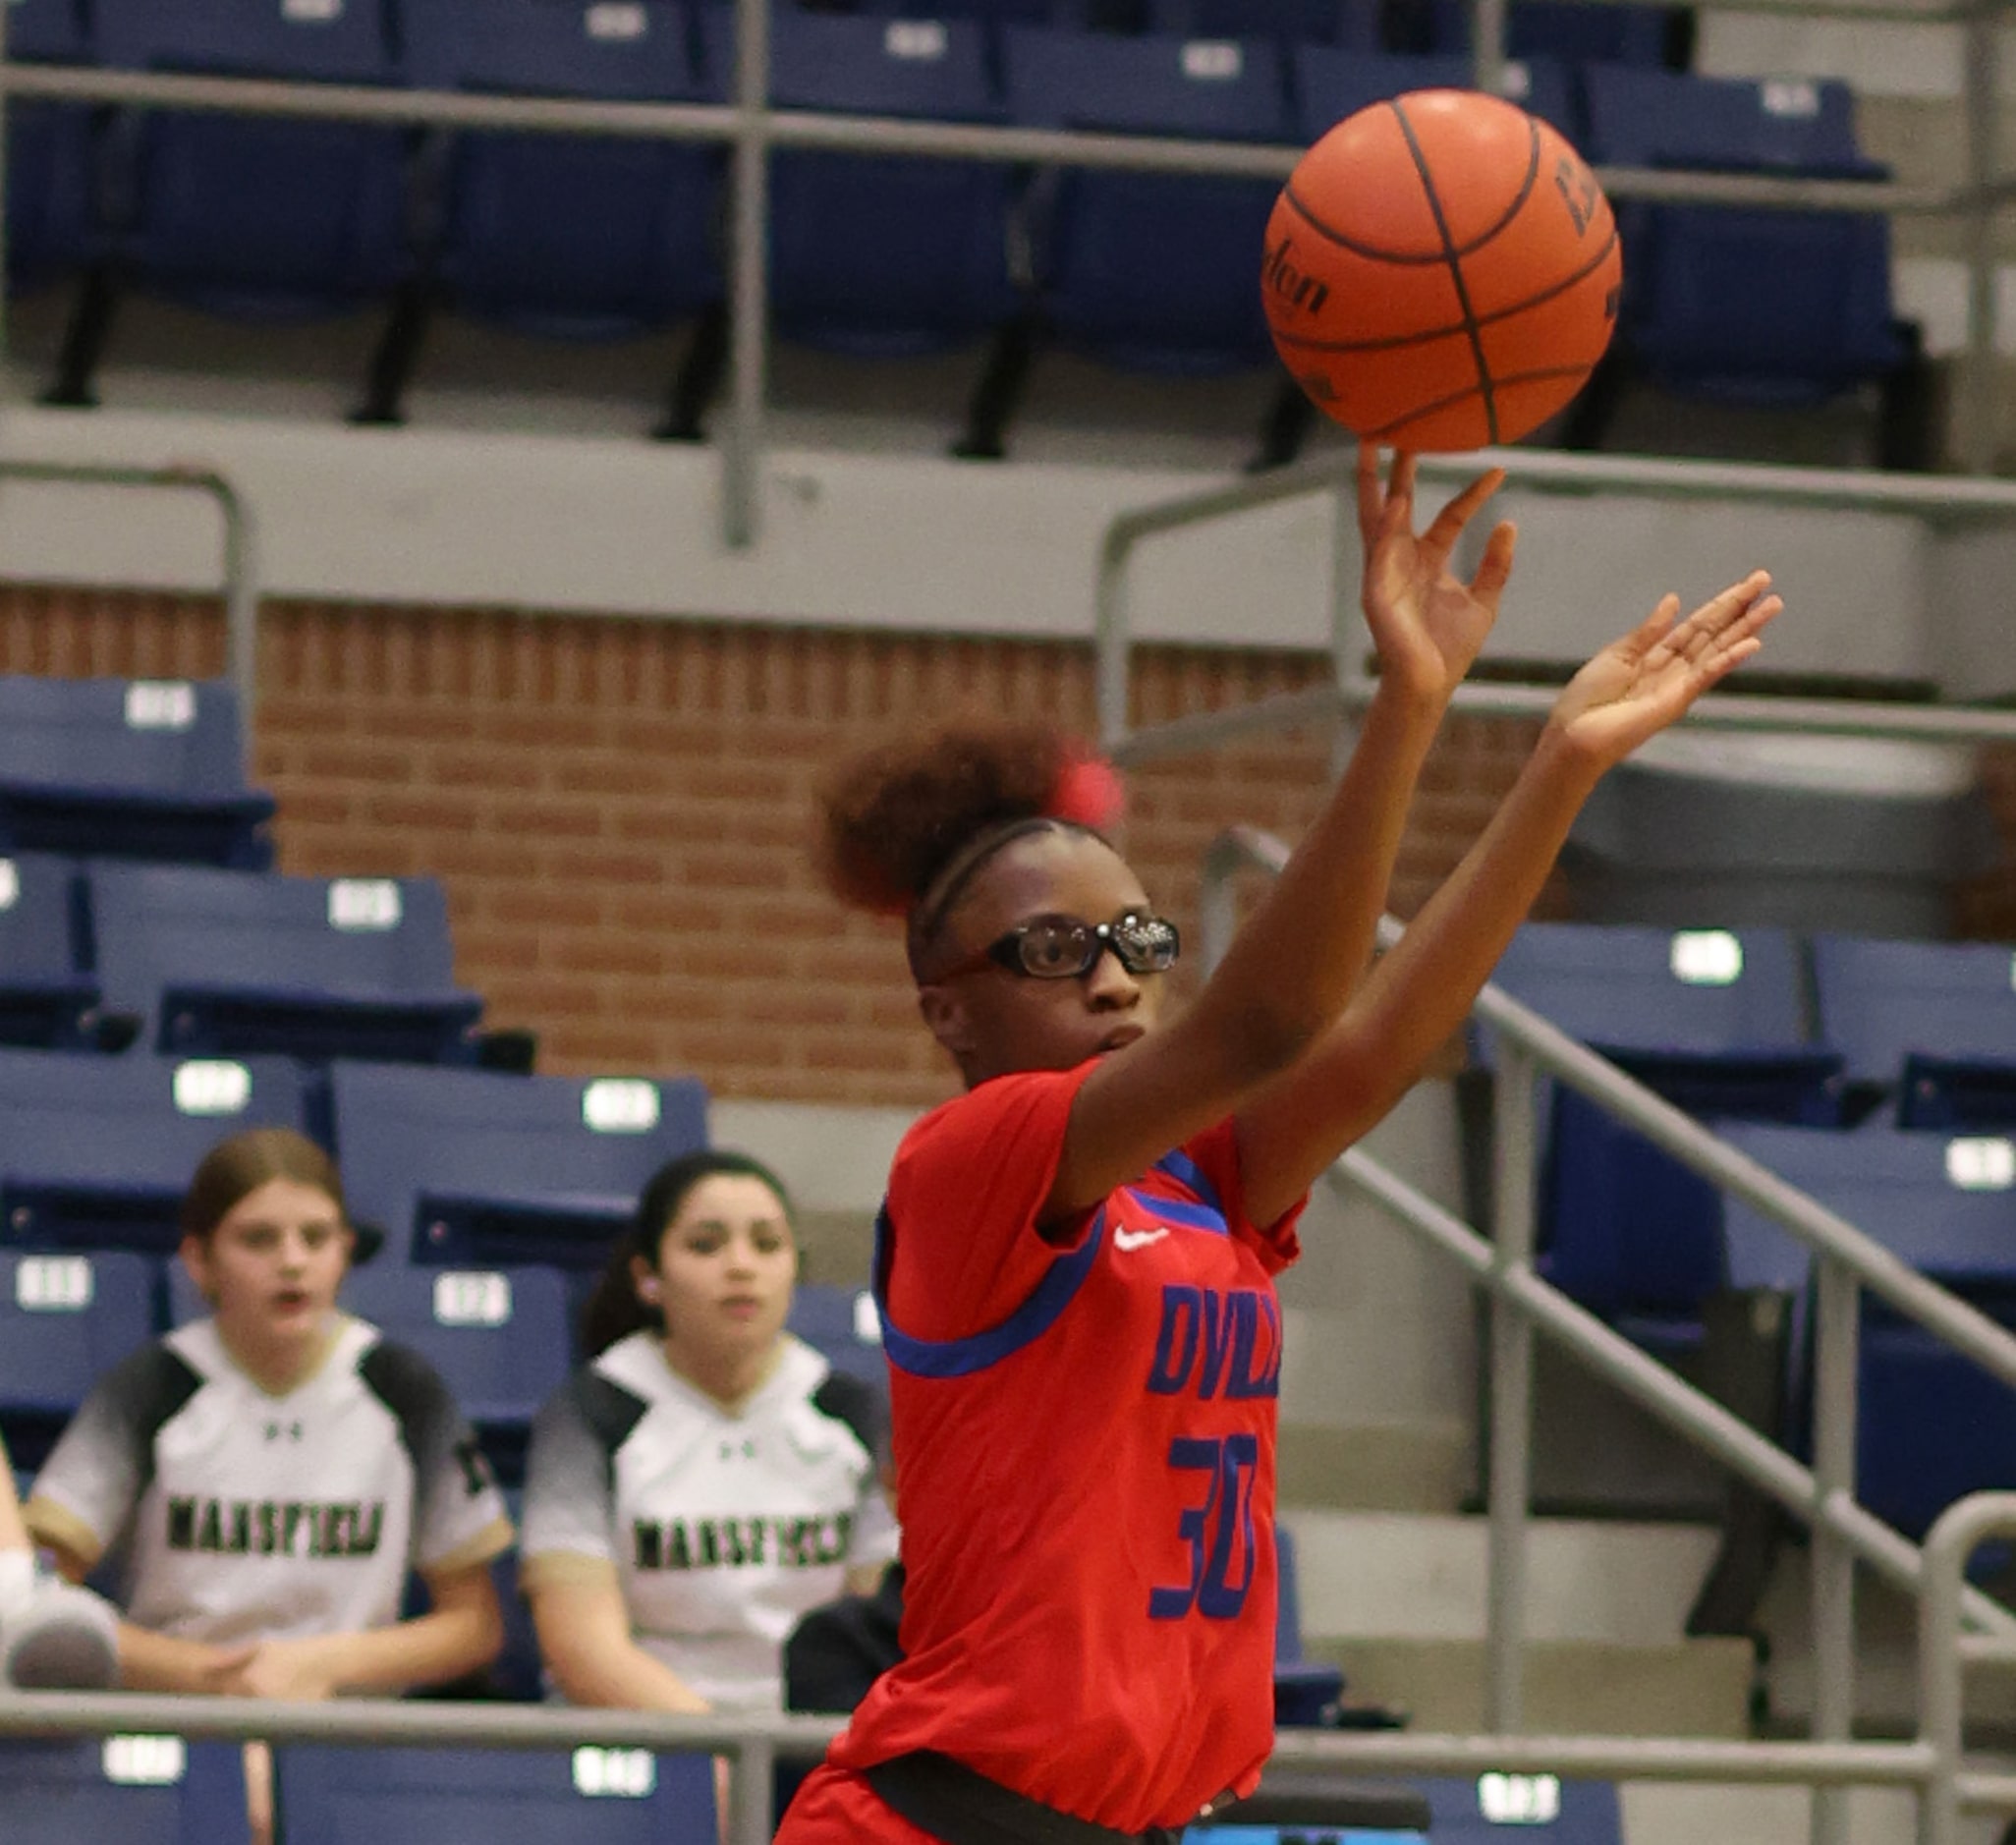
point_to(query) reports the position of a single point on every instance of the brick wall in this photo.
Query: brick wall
(620, 810)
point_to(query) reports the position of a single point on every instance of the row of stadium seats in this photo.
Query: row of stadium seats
(128, 769)
(581, 238)
(161, 1791)
(1877, 1077)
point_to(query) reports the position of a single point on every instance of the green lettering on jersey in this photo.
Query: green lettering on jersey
(678, 1546)
(210, 1532)
(290, 1515)
(709, 1542)
(368, 1528)
(649, 1544)
(182, 1519)
(240, 1527)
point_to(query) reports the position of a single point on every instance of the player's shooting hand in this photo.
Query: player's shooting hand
(291, 1671)
(1636, 685)
(1425, 621)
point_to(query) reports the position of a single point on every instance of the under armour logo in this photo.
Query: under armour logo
(283, 1431)
(746, 1448)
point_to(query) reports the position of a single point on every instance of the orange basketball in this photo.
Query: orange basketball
(1441, 271)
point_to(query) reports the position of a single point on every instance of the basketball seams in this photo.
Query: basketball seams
(1449, 402)
(1373, 254)
(1303, 344)
(1470, 324)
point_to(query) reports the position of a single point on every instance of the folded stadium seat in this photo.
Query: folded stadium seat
(1352, 24)
(250, 218)
(1541, 1808)
(842, 1325)
(1933, 1425)
(1331, 84)
(1691, 319)
(1145, 271)
(869, 255)
(1152, 271)
(221, 963)
(45, 1003)
(468, 1169)
(50, 148)
(481, 1796)
(129, 769)
(1567, 29)
(96, 1152)
(1714, 1020)
(1307, 1692)
(1934, 1022)
(64, 1321)
(140, 1790)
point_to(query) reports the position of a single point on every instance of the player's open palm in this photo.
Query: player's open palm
(1425, 621)
(1636, 685)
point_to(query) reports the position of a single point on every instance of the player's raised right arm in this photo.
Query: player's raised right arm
(1300, 956)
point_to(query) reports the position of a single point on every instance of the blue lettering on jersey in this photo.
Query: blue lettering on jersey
(1212, 1338)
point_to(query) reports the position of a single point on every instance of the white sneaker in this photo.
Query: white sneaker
(61, 1638)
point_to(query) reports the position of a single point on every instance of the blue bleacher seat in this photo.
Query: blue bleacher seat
(1541, 1808)
(1691, 317)
(562, 236)
(1882, 1004)
(49, 151)
(1567, 29)
(1933, 1425)
(1305, 1690)
(872, 254)
(96, 1152)
(1352, 24)
(64, 1321)
(140, 1790)
(470, 1169)
(223, 964)
(1714, 1020)
(841, 1324)
(478, 1797)
(129, 769)
(1152, 271)
(1331, 84)
(45, 1002)
(262, 219)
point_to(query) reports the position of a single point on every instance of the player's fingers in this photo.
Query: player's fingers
(1372, 500)
(1647, 637)
(1495, 566)
(1742, 632)
(1400, 487)
(1450, 521)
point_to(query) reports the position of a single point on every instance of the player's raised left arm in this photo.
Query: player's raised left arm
(1417, 995)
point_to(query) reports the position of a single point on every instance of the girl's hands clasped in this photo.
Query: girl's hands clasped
(1425, 621)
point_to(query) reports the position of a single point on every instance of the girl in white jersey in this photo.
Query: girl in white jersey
(268, 1475)
(705, 1479)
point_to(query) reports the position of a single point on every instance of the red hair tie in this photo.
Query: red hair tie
(1088, 793)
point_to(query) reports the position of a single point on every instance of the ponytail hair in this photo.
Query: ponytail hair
(614, 1310)
(903, 828)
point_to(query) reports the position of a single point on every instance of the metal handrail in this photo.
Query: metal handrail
(239, 571)
(1846, 1261)
(1937, 501)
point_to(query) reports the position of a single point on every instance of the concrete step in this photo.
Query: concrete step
(1374, 1466)
(1572, 1688)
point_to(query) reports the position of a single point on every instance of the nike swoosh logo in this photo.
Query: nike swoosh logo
(1137, 1239)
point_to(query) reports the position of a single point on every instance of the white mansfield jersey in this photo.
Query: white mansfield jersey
(722, 1528)
(239, 1515)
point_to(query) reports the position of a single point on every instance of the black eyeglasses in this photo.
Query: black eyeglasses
(1063, 948)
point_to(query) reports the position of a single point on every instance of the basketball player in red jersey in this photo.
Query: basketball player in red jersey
(1077, 1257)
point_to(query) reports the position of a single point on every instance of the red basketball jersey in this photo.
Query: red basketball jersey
(1085, 1453)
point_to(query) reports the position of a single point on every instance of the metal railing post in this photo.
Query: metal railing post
(749, 280)
(1511, 1409)
(751, 1772)
(1839, 1339)
(1940, 1683)
(1977, 417)
(1487, 44)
